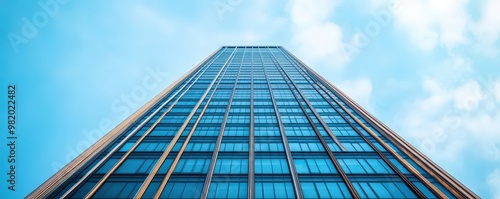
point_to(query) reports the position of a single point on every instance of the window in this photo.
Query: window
(399, 166)
(238, 119)
(318, 102)
(180, 110)
(326, 111)
(235, 102)
(304, 146)
(233, 166)
(266, 147)
(292, 103)
(261, 93)
(192, 166)
(271, 166)
(383, 190)
(331, 118)
(211, 119)
(256, 102)
(294, 119)
(117, 190)
(378, 146)
(314, 166)
(274, 190)
(266, 131)
(107, 166)
(135, 166)
(236, 147)
(260, 86)
(242, 95)
(239, 110)
(299, 131)
(265, 119)
(177, 146)
(290, 110)
(174, 119)
(228, 190)
(278, 84)
(141, 131)
(264, 110)
(219, 103)
(362, 166)
(181, 102)
(325, 190)
(354, 146)
(207, 147)
(206, 131)
(236, 131)
(182, 190)
(215, 110)
(222, 93)
(164, 131)
(343, 131)
(127, 146)
(334, 147)
(282, 92)
(166, 166)
(151, 147)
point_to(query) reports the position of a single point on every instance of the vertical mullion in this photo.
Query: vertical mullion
(251, 141)
(289, 158)
(408, 149)
(386, 160)
(321, 121)
(203, 68)
(215, 154)
(334, 160)
(162, 158)
(188, 138)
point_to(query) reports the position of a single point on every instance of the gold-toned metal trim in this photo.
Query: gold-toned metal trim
(164, 182)
(430, 185)
(251, 138)
(165, 154)
(426, 163)
(76, 164)
(332, 157)
(288, 153)
(215, 154)
(138, 142)
(420, 176)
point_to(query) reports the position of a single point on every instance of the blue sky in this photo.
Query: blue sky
(427, 69)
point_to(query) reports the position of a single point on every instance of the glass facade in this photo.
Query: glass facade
(253, 122)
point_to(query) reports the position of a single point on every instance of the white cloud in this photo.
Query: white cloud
(447, 22)
(453, 120)
(451, 109)
(429, 23)
(467, 96)
(496, 90)
(487, 30)
(318, 40)
(494, 183)
(359, 90)
(306, 12)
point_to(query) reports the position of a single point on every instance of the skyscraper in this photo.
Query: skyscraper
(252, 122)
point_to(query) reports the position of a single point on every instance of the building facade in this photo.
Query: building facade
(252, 122)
